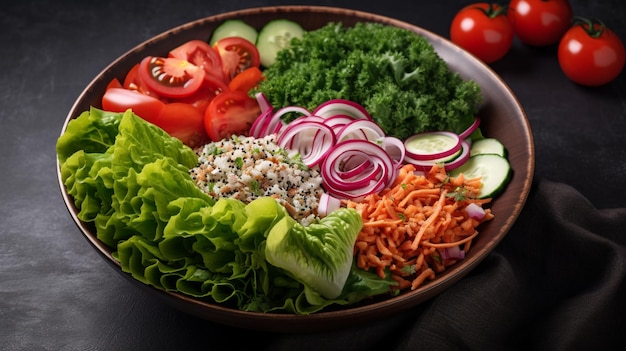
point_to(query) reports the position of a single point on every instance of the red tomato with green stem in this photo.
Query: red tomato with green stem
(230, 113)
(591, 54)
(540, 22)
(484, 30)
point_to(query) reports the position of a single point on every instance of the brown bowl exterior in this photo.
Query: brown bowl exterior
(501, 114)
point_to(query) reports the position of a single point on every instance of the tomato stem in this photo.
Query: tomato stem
(494, 10)
(593, 27)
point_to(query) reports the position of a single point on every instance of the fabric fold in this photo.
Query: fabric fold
(557, 281)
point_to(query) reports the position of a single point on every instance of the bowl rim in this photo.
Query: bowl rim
(319, 320)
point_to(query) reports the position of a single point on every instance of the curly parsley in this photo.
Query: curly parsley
(394, 73)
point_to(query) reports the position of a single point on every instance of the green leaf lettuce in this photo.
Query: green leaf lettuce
(319, 255)
(130, 181)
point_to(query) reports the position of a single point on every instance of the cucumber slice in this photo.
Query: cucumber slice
(433, 145)
(275, 36)
(488, 146)
(234, 28)
(495, 172)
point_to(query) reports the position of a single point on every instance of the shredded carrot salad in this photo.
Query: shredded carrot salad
(407, 227)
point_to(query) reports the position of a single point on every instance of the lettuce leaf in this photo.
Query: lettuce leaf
(94, 131)
(320, 255)
(91, 196)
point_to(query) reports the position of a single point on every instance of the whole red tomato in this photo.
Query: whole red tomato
(484, 30)
(591, 54)
(540, 22)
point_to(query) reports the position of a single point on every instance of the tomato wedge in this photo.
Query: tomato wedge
(211, 87)
(230, 113)
(133, 82)
(246, 80)
(183, 121)
(144, 106)
(201, 54)
(114, 83)
(237, 54)
(171, 77)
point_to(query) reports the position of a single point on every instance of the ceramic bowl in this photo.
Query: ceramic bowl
(501, 114)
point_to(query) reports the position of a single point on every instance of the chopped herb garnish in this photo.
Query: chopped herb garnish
(458, 194)
(255, 187)
(239, 162)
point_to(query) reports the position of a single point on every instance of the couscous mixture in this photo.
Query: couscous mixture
(246, 168)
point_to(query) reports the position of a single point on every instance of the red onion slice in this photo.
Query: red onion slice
(361, 129)
(395, 148)
(338, 121)
(353, 166)
(452, 253)
(260, 125)
(475, 211)
(359, 176)
(341, 107)
(432, 145)
(327, 204)
(306, 134)
(457, 162)
(263, 102)
(466, 133)
(313, 140)
(426, 165)
(292, 109)
(377, 177)
(270, 122)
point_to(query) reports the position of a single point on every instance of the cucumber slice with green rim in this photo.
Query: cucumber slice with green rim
(275, 36)
(234, 28)
(433, 145)
(488, 146)
(495, 172)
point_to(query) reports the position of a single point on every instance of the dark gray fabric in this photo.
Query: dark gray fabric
(556, 281)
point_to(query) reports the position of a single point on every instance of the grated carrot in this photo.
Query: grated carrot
(406, 225)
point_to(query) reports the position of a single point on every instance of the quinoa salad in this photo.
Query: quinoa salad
(246, 168)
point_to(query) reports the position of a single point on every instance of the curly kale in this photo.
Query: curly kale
(394, 73)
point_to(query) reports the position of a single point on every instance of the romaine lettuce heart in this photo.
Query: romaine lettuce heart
(319, 255)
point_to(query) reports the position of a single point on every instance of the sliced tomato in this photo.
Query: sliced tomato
(185, 122)
(144, 106)
(246, 80)
(230, 113)
(114, 83)
(237, 54)
(171, 77)
(211, 87)
(132, 81)
(201, 54)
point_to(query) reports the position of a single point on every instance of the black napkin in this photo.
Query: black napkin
(556, 282)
